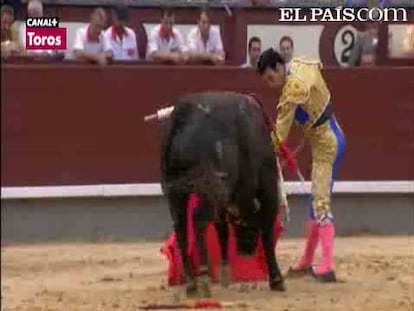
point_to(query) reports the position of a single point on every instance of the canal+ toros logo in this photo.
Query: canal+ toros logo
(44, 33)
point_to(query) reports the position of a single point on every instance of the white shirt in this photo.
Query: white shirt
(287, 66)
(196, 43)
(84, 43)
(247, 65)
(124, 48)
(158, 44)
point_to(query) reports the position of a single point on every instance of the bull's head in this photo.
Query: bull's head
(212, 184)
(247, 234)
(247, 227)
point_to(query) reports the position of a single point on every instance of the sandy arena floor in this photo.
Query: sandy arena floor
(377, 275)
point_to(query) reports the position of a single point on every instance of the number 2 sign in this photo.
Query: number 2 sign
(344, 42)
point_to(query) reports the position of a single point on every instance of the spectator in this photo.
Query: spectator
(254, 51)
(286, 48)
(204, 41)
(90, 42)
(9, 33)
(166, 43)
(364, 50)
(34, 9)
(15, 4)
(122, 39)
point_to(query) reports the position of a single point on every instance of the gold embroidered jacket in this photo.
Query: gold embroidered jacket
(304, 97)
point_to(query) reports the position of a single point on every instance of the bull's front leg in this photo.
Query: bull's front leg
(202, 280)
(181, 232)
(268, 211)
(276, 282)
(222, 229)
(201, 219)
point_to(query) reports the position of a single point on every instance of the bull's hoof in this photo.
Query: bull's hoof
(328, 277)
(200, 288)
(192, 291)
(277, 284)
(297, 273)
(204, 286)
(225, 275)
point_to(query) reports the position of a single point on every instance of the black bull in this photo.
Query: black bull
(217, 145)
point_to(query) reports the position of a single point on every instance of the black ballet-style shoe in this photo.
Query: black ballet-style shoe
(327, 277)
(297, 273)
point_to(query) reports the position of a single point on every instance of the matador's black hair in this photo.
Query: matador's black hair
(269, 59)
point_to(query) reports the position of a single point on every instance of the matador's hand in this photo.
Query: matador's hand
(288, 156)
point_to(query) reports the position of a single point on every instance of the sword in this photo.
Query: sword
(282, 193)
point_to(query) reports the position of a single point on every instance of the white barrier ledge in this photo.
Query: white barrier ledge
(154, 189)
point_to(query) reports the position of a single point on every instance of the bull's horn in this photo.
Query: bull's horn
(161, 114)
(150, 117)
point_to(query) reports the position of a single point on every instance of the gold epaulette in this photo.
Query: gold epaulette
(308, 61)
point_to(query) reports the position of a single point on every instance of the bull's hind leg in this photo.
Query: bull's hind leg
(201, 218)
(222, 229)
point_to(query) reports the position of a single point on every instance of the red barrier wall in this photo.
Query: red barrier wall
(81, 124)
